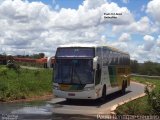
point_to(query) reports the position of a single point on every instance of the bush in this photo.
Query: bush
(3, 71)
(14, 66)
(153, 100)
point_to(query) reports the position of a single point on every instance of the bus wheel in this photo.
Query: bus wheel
(123, 87)
(103, 93)
(69, 100)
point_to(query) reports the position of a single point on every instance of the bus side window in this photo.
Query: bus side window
(98, 75)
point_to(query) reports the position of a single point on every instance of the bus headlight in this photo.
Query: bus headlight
(55, 87)
(89, 88)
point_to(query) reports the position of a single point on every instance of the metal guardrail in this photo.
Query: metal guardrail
(147, 76)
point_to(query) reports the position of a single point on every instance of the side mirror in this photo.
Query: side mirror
(49, 62)
(95, 62)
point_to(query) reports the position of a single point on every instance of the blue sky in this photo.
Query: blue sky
(42, 25)
(62, 3)
(132, 4)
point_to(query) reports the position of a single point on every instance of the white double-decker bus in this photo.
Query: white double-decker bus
(90, 71)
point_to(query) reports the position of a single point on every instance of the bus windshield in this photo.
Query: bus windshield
(74, 71)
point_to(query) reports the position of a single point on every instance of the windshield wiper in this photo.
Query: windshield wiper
(78, 77)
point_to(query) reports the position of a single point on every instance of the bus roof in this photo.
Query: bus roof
(79, 45)
(95, 46)
(116, 50)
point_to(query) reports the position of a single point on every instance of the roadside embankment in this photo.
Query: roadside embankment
(25, 84)
(141, 106)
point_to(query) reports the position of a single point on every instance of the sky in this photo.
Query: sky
(34, 26)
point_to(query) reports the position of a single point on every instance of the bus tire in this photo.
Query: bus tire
(126, 84)
(124, 87)
(69, 100)
(103, 93)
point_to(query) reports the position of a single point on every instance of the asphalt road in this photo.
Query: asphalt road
(88, 107)
(60, 109)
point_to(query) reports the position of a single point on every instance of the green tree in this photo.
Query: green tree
(149, 68)
(134, 66)
(153, 100)
(41, 55)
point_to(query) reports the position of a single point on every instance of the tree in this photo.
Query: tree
(41, 55)
(149, 68)
(134, 66)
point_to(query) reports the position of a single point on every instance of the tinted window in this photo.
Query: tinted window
(74, 71)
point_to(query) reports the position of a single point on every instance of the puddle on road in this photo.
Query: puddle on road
(25, 110)
(26, 107)
(43, 110)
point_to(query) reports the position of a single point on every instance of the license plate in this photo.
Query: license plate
(71, 94)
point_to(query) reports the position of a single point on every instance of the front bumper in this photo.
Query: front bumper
(91, 94)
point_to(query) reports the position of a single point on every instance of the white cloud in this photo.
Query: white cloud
(120, 45)
(125, 37)
(35, 26)
(91, 13)
(149, 42)
(103, 39)
(143, 26)
(153, 9)
(147, 51)
(30, 27)
(158, 41)
(148, 38)
(93, 4)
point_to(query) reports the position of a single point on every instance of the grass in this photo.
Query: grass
(139, 106)
(24, 84)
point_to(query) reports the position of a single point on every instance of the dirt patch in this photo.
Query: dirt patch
(34, 98)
